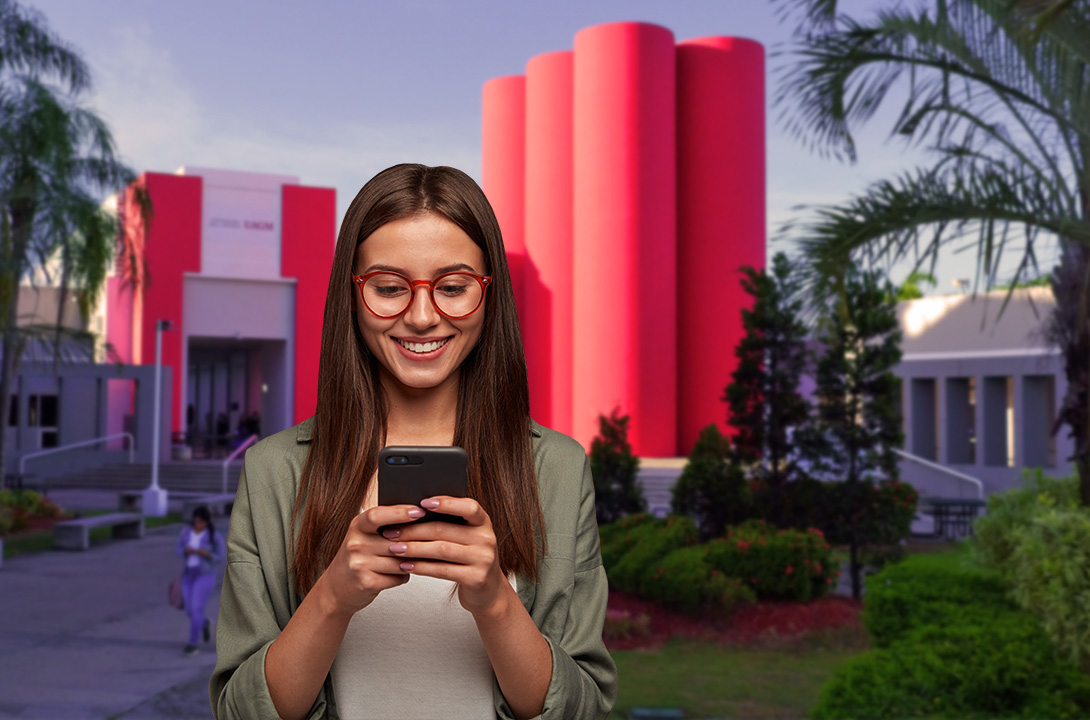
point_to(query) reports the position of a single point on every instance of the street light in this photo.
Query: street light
(155, 498)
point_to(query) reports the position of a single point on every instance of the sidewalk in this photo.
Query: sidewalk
(90, 634)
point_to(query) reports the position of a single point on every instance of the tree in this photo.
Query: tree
(999, 91)
(57, 160)
(763, 396)
(910, 288)
(858, 419)
(615, 468)
(712, 488)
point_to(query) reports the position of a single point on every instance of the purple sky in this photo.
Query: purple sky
(336, 91)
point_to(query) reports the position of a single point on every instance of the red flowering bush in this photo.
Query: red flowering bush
(776, 564)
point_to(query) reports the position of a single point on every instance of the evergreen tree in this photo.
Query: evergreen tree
(712, 489)
(614, 468)
(858, 422)
(765, 405)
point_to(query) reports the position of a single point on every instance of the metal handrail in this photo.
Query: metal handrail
(238, 451)
(72, 446)
(942, 468)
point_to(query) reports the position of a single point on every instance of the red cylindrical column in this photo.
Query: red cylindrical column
(548, 299)
(625, 232)
(503, 167)
(721, 216)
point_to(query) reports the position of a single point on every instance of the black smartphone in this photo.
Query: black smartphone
(408, 474)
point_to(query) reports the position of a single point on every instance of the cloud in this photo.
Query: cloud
(160, 123)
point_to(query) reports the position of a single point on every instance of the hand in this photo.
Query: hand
(364, 566)
(465, 554)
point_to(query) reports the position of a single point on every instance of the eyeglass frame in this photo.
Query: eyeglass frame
(483, 280)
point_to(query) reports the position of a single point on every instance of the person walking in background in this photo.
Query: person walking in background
(203, 550)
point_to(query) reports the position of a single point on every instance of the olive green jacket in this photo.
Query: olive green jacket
(567, 603)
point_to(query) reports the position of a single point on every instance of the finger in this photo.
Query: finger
(446, 552)
(369, 521)
(466, 508)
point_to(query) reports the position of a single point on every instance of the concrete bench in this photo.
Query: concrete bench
(217, 504)
(76, 534)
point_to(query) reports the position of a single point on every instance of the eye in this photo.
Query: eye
(454, 285)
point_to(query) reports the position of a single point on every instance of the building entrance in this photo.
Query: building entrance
(234, 389)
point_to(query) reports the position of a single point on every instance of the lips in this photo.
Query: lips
(421, 348)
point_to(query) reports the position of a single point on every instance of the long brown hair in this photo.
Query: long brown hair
(493, 420)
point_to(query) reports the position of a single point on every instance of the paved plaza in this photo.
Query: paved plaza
(90, 634)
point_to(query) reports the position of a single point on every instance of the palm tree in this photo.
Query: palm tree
(56, 161)
(999, 93)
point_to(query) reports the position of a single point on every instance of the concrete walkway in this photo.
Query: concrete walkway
(90, 634)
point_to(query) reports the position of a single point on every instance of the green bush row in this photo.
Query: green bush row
(662, 560)
(951, 644)
(1038, 539)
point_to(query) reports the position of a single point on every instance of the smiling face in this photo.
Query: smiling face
(421, 348)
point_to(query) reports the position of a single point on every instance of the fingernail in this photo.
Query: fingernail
(407, 566)
(391, 534)
(399, 548)
(429, 504)
(416, 513)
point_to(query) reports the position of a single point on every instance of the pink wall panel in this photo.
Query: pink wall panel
(625, 233)
(503, 168)
(721, 216)
(172, 247)
(548, 297)
(309, 232)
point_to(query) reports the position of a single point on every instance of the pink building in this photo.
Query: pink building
(239, 264)
(628, 176)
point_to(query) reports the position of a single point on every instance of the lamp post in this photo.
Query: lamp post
(155, 498)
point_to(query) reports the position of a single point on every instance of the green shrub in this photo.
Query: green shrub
(684, 581)
(650, 543)
(776, 564)
(712, 489)
(619, 537)
(906, 596)
(1005, 668)
(7, 520)
(1011, 511)
(1051, 576)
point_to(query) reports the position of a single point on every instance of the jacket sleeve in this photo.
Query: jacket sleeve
(250, 617)
(584, 678)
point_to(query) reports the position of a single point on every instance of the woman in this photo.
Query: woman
(203, 550)
(323, 616)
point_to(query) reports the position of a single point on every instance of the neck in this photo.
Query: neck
(421, 416)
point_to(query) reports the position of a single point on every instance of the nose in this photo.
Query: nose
(421, 312)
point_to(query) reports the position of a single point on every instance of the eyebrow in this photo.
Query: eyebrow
(401, 271)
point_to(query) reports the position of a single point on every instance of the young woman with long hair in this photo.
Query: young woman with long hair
(334, 606)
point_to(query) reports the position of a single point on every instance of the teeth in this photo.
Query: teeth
(423, 347)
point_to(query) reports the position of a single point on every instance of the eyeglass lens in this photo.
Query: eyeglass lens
(456, 294)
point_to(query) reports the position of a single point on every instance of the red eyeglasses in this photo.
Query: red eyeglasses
(455, 295)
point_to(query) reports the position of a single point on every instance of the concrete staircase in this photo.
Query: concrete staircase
(196, 476)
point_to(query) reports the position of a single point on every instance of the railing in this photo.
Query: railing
(72, 446)
(238, 451)
(943, 469)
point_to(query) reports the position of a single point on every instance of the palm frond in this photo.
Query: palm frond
(917, 214)
(27, 45)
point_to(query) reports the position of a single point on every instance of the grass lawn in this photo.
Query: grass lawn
(32, 542)
(707, 680)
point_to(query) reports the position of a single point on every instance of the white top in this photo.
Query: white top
(195, 539)
(413, 653)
